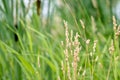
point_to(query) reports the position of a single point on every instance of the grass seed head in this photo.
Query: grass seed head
(82, 23)
(88, 41)
(114, 23)
(111, 48)
(94, 46)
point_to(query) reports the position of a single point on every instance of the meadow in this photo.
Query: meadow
(75, 40)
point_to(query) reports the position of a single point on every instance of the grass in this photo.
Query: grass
(76, 41)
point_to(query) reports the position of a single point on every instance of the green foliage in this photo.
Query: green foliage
(38, 53)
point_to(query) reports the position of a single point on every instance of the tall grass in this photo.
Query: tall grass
(76, 41)
(90, 62)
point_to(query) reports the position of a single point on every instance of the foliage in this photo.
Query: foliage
(85, 46)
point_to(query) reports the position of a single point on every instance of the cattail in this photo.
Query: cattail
(15, 35)
(38, 3)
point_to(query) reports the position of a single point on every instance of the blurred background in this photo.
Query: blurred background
(55, 11)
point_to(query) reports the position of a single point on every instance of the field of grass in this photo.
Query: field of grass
(75, 40)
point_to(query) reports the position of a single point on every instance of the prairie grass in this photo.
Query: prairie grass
(77, 40)
(88, 63)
